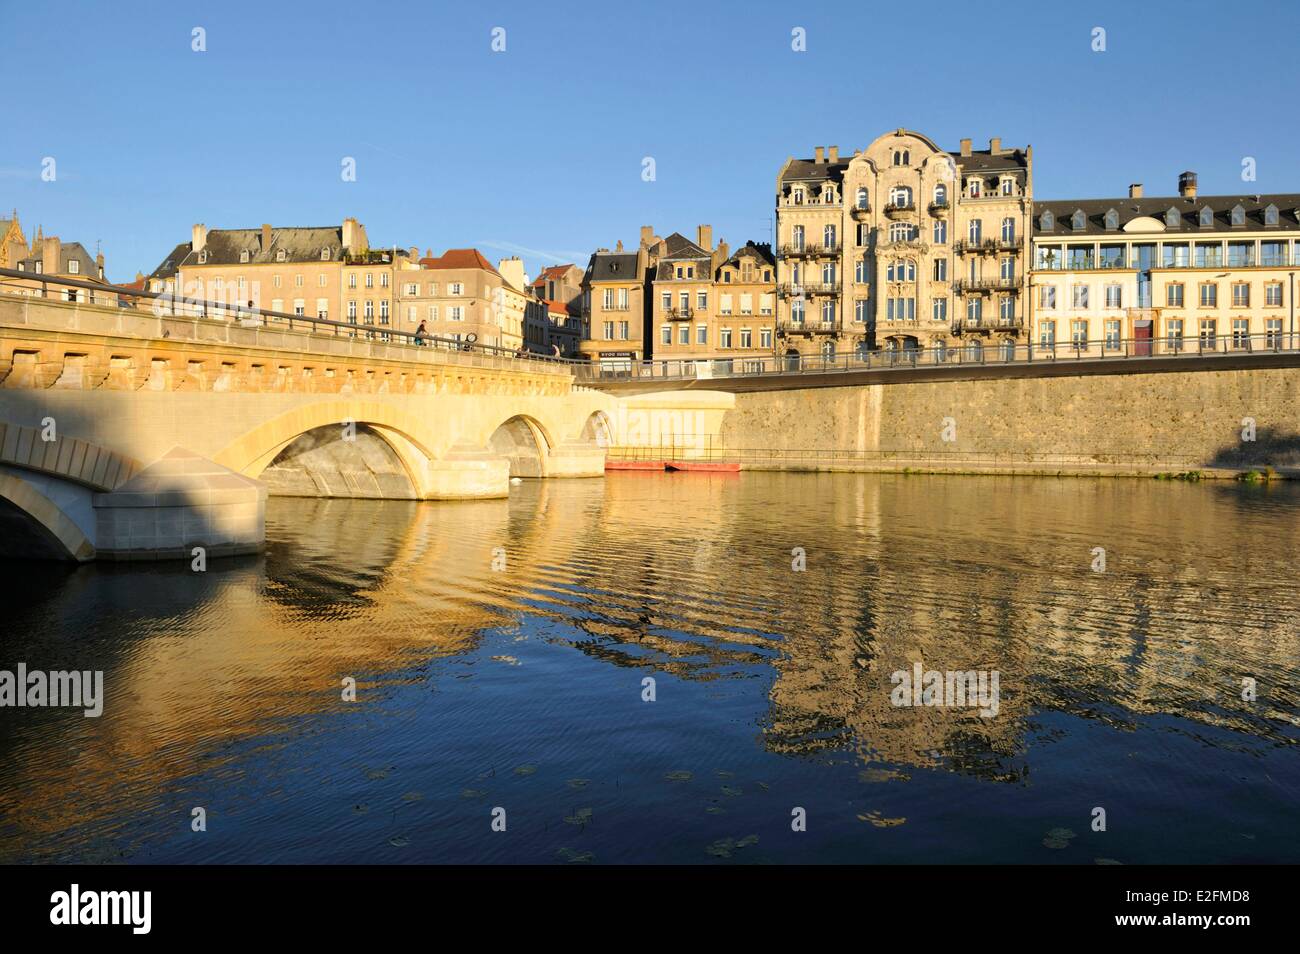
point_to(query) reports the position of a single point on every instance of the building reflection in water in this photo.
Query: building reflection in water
(689, 577)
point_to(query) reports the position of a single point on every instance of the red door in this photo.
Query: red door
(1142, 339)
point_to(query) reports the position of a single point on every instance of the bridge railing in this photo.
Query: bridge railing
(967, 355)
(174, 307)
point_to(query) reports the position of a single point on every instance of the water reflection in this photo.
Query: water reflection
(488, 631)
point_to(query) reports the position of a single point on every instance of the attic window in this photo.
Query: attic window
(613, 266)
(279, 255)
(1112, 220)
(1206, 217)
(203, 257)
(1173, 218)
(1238, 215)
(1047, 222)
(243, 256)
(325, 254)
(1270, 215)
(1078, 220)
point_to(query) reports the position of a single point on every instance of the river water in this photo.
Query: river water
(501, 651)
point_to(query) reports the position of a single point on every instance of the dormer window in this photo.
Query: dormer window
(1173, 218)
(279, 255)
(325, 254)
(1238, 215)
(1047, 221)
(796, 197)
(1008, 185)
(974, 187)
(1270, 215)
(1206, 217)
(1078, 221)
(243, 256)
(203, 257)
(1112, 220)
(828, 195)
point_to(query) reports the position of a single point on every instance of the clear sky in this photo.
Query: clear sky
(538, 150)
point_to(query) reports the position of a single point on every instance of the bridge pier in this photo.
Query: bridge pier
(179, 502)
(466, 472)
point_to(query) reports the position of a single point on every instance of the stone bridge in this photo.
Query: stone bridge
(130, 435)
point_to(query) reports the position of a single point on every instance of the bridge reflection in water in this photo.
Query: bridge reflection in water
(513, 677)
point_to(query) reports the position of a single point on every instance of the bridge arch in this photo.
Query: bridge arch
(32, 523)
(598, 430)
(524, 442)
(253, 453)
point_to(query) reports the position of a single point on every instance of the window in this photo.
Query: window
(1209, 334)
(1008, 230)
(939, 309)
(1206, 218)
(1079, 296)
(796, 238)
(765, 337)
(1007, 270)
(1176, 255)
(828, 312)
(974, 231)
(1238, 215)
(702, 301)
(796, 311)
(243, 256)
(902, 232)
(796, 197)
(1078, 221)
(746, 303)
(325, 255)
(608, 302)
(370, 280)
(1174, 296)
(684, 335)
(74, 267)
(862, 198)
(352, 279)
(828, 273)
(900, 197)
(828, 237)
(1008, 185)
(1240, 295)
(1173, 218)
(1047, 221)
(861, 272)
(1209, 295)
(297, 281)
(973, 188)
(1112, 220)
(279, 255)
(940, 232)
(1272, 253)
(701, 334)
(1047, 297)
(320, 280)
(1241, 333)
(746, 338)
(609, 329)
(299, 306)
(1047, 334)
(1114, 296)
(1273, 294)
(1273, 332)
(1079, 333)
(724, 305)
(457, 288)
(1241, 254)
(940, 269)
(370, 310)
(724, 338)
(1270, 215)
(323, 308)
(860, 312)
(1112, 335)
(1174, 334)
(666, 334)
(622, 330)
(383, 311)
(765, 304)
(941, 194)
(1007, 309)
(974, 309)
(352, 311)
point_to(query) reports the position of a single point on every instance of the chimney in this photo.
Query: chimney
(995, 146)
(834, 154)
(51, 253)
(354, 236)
(821, 153)
(199, 237)
(647, 236)
(266, 237)
(704, 237)
(413, 253)
(965, 147)
(1187, 185)
(1135, 190)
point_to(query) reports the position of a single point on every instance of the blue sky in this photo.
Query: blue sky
(538, 150)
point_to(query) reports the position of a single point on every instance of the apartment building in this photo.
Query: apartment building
(903, 245)
(744, 286)
(462, 296)
(324, 272)
(50, 257)
(682, 302)
(553, 322)
(615, 303)
(1164, 275)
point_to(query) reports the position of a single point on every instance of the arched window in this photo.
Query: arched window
(900, 197)
(1270, 215)
(1207, 217)
(1078, 221)
(1238, 215)
(862, 198)
(325, 254)
(902, 232)
(1173, 218)
(1112, 220)
(1048, 221)
(941, 194)
(907, 157)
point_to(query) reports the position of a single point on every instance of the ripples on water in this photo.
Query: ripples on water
(522, 687)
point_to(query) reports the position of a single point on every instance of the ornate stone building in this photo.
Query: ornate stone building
(902, 246)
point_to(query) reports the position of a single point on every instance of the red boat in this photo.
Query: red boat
(634, 465)
(704, 466)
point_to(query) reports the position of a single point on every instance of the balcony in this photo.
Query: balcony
(860, 211)
(797, 251)
(988, 246)
(897, 209)
(986, 326)
(787, 328)
(807, 290)
(679, 314)
(940, 208)
(983, 286)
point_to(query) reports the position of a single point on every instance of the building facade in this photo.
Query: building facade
(1164, 275)
(615, 304)
(461, 296)
(901, 246)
